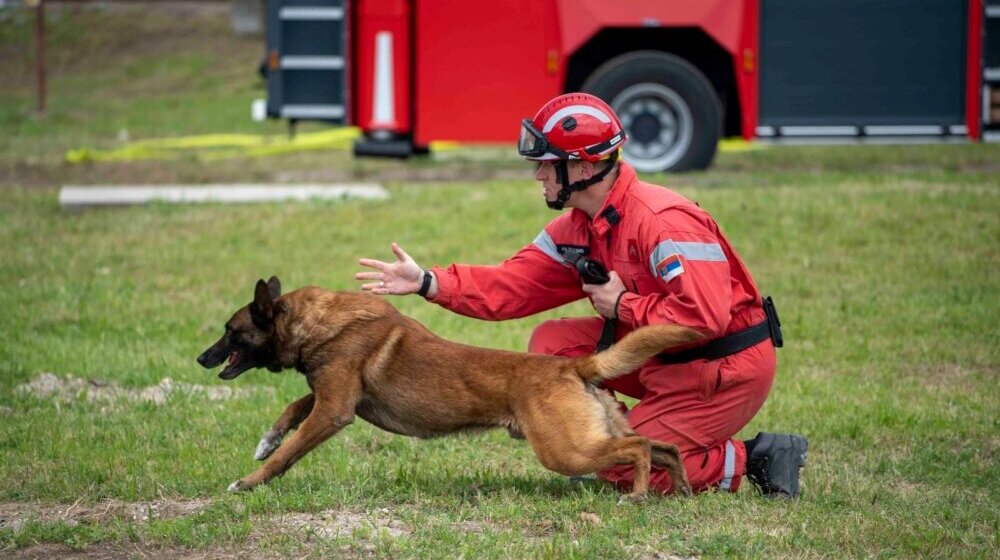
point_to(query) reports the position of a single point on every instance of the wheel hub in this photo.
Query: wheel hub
(645, 128)
(658, 122)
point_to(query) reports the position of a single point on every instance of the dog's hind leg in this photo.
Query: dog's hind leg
(663, 455)
(288, 421)
(336, 396)
(666, 456)
(631, 450)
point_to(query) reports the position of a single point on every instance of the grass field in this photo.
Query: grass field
(884, 262)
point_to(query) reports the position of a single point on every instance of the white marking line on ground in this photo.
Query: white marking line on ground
(78, 196)
(69, 388)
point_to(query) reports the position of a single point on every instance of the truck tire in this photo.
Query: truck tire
(668, 108)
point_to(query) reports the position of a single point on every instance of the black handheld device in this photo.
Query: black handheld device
(591, 271)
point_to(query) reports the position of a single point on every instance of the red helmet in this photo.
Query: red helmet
(571, 126)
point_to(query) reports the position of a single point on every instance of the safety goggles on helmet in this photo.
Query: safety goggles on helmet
(533, 144)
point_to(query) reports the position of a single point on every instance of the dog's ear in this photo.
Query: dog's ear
(274, 285)
(262, 306)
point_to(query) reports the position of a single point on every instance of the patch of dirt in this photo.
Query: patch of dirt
(330, 524)
(362, 527)
(15, 515)
(121, 551)
(70, 388)
(326, 524)
(667, 556)
(334, 523)
(648, 553)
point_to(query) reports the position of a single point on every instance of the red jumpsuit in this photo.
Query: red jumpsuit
(678, 268)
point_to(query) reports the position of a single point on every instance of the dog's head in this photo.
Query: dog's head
(249, 340)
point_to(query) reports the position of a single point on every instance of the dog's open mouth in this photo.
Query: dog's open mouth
(233, 368)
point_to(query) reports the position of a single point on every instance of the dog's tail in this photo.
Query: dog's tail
(633, 350)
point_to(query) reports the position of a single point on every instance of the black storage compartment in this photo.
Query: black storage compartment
(306, 60)
(891, 64)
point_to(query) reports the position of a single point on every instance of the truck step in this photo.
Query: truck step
(312, 111)
(312, 13)
(312, 63)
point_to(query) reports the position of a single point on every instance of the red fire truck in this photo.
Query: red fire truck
(680, 73)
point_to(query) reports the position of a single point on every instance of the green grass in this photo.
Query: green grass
(883, 261)
(887, 285)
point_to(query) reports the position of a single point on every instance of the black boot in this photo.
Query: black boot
(773, 463)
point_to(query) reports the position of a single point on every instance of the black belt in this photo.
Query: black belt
(730, 344)
(593, 272)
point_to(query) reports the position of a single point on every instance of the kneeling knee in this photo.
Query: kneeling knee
(565, 337)
(547, 338)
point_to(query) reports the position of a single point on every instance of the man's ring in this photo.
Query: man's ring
(381, 284)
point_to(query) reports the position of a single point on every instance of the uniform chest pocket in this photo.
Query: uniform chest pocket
(637, 277)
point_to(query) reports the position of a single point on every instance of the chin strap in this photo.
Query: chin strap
(562, 177)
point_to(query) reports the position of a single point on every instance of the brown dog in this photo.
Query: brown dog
(361, 356)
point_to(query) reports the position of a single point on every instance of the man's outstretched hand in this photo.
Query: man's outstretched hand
(399, 278)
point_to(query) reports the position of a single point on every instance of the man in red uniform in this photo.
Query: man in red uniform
(668, 263)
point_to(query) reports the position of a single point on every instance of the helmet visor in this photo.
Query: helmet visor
(531, 143)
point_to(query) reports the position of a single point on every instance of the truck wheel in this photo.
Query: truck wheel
(668, 108)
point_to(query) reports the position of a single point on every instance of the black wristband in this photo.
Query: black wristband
(426, 285)
(618, 301)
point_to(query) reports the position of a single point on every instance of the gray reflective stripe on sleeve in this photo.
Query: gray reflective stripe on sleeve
(730, 466)
(545, 243)
(690, 250)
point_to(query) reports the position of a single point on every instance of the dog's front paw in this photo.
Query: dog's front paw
(267, 445)
(237, 486)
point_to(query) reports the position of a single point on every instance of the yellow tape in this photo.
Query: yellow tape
(444, 146)
(210, 147)
(739, 145)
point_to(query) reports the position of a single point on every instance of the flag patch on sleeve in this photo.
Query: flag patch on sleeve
(670, 267)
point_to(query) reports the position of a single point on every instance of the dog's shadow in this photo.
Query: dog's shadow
(472, 488)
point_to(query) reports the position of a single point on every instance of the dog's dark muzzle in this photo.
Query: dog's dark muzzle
(213, 357)
(218, 354)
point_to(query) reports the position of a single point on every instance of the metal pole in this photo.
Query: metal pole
(40, 62)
